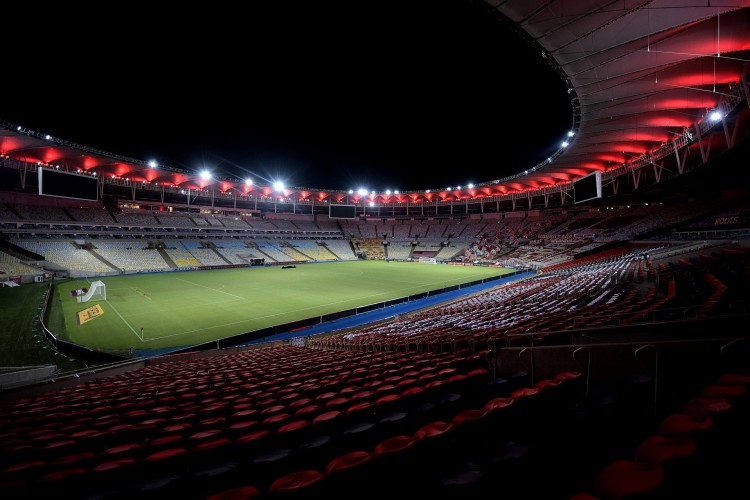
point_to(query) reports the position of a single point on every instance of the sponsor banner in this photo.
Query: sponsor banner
(89, 313)
(727, 221)
(15, 279)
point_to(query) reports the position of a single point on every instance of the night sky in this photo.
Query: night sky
(382, 95)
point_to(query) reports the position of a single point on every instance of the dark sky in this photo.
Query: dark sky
(383, 95)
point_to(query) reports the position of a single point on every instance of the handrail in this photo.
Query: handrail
(588, 366)
(656, 368)
(724, 347)
(530, 365)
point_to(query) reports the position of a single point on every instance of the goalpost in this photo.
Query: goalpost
(97, 291)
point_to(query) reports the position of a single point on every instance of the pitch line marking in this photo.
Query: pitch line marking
(123, 319)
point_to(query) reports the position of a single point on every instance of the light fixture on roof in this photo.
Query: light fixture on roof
(248, 182)
(388, 192)
(205, 175)
(571, 133)
(351, 191)
(362, 191)
(152, 164)
(48, 137)
(278, 186)
(715, 116)
(395, 192)
(564, 144)
(470, 186)
(428, 191)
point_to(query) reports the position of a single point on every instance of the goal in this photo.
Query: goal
(97, 291)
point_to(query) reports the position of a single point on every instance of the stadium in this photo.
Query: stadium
(574, 331)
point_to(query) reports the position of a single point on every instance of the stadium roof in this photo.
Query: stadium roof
(640, 75)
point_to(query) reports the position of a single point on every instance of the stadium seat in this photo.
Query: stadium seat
(297, 484)
(627, 479)
(238, 493)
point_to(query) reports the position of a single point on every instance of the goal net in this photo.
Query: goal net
(97, 291)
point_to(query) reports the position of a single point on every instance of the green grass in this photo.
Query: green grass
(23, 343)
(188, 308)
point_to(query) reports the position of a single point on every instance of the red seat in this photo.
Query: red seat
(294, 482)
(362, 410)
(254, 441)
(60, 480)
(294, 430)
(702, 407)
(661, 449)
(624, 477)
(329, 420)
(350, 473)
(682, 424)
(125, 450)
(348, 461)
(306, 411)
(393, 444)
(241, 427)
(240, 493)
(276, 420)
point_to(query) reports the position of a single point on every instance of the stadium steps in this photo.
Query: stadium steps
(103, 260)
(167, 258)
(323, 245)
(260, 251)
(213, 247)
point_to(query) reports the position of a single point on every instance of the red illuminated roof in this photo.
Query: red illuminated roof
(638, 73)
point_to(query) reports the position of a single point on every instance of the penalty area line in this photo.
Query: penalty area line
(124, 321)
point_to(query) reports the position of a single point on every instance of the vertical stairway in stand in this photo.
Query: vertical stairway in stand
(166, 257)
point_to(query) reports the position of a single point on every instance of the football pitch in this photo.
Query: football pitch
(169, 310)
